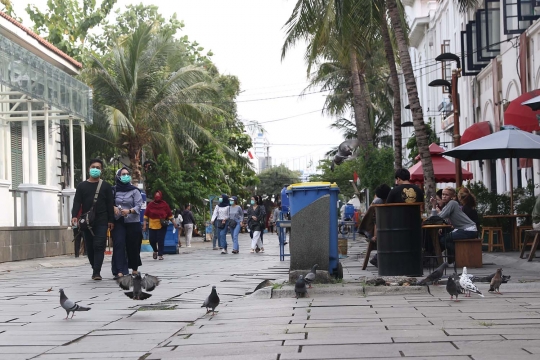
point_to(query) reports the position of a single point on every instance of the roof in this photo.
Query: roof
(41, 40)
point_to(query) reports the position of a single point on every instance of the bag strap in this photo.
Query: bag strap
(97, 192)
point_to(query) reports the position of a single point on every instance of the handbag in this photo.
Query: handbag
(434, 220)
(232, 224)
(86, 220)
(220, 224)
(164, 222)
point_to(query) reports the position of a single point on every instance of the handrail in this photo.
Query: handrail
(25, 204)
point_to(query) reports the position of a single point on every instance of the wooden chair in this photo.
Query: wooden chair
(491, 230)
(468, 253)
(530, 234)
(521, 237)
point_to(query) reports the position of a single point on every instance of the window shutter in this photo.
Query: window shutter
(41, 154)
(16, 154)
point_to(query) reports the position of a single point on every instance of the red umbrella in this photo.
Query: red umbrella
(522, 116)
(445, 170)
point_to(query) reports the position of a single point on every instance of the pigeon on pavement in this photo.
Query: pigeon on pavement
(212, 301)
(467, 284)
(452, 288)
(435, 275)
(300, 287)
(310, 277)
(496, 282)
(148, 283)
(69, 305)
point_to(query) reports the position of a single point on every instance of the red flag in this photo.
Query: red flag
(355, 177)
(250, 155)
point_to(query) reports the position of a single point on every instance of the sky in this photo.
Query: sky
(246, 37)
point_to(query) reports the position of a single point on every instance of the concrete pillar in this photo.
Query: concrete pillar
(83, 149)
(30, 157)
(42, 205)
(46, 145)
(71, 157)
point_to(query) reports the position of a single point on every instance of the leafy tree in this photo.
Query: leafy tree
(273, 179)
(412, 144)
(66, 24)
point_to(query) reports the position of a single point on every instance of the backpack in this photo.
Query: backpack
(86, 220)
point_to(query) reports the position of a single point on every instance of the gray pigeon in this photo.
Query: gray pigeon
(496, 282)
(310, 277)
(148, 283)
(453, 288)
(69, 305)
(212, 301)
(435, 275)
(300, 287)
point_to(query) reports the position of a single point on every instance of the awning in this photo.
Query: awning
(534, 103)
(521, 116)
(444, 169)
(476, 131)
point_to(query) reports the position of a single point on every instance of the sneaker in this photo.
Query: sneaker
(224, 251)
(216, 248)
(96, 277)
(189, 246)
(235, 251)
(252, 251)
(262, 249)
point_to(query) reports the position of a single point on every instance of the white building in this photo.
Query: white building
(499, 63)
(261, 150)
(40, 103)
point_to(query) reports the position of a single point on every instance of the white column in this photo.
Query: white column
(83, 146)
(71, 157)
(30, 137)
(46, 127)
(3, 155)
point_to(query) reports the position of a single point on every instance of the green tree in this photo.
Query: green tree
(412, 144)
(273, 179)
(66, 24)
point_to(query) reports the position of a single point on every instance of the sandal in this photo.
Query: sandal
(161, 258)
(154, 255)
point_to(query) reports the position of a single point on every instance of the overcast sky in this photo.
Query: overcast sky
(246, 38)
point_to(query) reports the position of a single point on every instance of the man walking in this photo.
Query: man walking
(95, 237)
(187, 223)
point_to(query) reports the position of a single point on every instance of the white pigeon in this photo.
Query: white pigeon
(467, 285)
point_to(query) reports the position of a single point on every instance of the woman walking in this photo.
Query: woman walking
(235, 221)
(221, 217)
(255, 218)
(259, 201)
(127, 234)
(187, 222)
(157, 215)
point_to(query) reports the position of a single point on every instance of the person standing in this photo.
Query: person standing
(157, 214)
(235, 222)
(221, 216)
(187, 222)
(255, 218)
(95, 238)
(263, 212)
(127, 233)
(275, 216)
(536, 214)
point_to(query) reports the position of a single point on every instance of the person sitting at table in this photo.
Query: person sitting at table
(404, 191)
(468, 205)
(368, 226)
(440, 203)
(536, 215)
(464, 227)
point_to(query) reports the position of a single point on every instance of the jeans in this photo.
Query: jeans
(188, 231)
(157, 239)
(95, 246)
(127, 239)
(448, 242)
(222, 235)
(234, 235)
(215, 235)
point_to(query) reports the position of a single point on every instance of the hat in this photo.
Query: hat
(234, 198)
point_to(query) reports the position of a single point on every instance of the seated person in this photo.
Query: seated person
(468, 205)
(536, 215)
(464, 227)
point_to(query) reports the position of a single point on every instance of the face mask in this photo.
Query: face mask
(157, 197)
(95, 173)
(231, 202)
(252, 202)
(220, 200)
(126, 179)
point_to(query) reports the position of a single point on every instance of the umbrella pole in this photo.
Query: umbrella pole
(511, 187)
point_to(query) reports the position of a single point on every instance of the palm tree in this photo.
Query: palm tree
(151, 101)
(331, 26)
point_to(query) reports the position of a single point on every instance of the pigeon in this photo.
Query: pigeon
(310, 277)
(496, 282)
(346, 151)
(300, 287)
(435, 275)
(148, 283)
(212, 301)
(504, 278)
(467, 284)
(69, 305)
(453, 288)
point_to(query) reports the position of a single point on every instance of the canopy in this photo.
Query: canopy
(476, 131)
(444, 169)
(523, 117)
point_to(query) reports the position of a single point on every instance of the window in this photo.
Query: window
(446, 66)
(41, 143)
(16, 154)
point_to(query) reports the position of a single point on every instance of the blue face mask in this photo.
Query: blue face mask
(125, 179)
(220, 200)
(231, 202)
(95, 173)
(252, 202)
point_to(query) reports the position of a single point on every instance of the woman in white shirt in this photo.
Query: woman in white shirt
(222, 213)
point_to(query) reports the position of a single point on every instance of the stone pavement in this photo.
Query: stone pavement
(248, 327)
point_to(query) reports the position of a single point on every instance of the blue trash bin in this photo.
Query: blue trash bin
(171, 241)
(284, 200)
(349, 212)
(301, 195)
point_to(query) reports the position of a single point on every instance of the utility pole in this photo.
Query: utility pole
(457, 137)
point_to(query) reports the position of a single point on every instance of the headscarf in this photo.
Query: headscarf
(158, 209)
(224, 200)
(120, 186)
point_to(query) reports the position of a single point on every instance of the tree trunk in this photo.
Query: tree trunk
(359, 103)
(414, 102)
(135, 160)
(394, 82)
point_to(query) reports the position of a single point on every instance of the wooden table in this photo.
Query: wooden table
(434, 232)
(513, 226)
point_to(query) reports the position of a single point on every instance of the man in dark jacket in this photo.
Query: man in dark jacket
(95, 239)
(187, 222)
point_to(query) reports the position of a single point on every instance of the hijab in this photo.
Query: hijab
(120, 186)
(158, 209)
(224, 201)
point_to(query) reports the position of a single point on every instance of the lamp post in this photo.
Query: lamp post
(454, 97)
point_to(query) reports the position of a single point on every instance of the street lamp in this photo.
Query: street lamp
(454, 97)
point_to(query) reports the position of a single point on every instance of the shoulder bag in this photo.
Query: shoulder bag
(86, 220)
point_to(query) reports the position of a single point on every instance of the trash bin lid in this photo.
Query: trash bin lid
(314, 184)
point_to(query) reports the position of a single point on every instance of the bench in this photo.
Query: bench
(528, 233)
(468, 253)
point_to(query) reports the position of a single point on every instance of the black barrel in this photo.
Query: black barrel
(399, 239)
